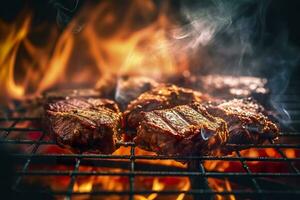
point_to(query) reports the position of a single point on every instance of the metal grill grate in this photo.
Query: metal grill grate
(256, 183)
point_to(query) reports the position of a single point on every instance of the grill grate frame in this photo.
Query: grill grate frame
(196, 173)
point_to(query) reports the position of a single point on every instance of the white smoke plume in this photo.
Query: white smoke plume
(230, 37)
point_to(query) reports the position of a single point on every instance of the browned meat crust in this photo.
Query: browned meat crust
(233, 86)
(182, 130)
(85, 124)
(226, 86)
(246, 121)
(56, 95)
(161, 97)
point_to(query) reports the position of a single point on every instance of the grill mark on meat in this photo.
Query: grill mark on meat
(187, 119)
(77, 111)
(194, 117)
(198, 115)
(173, 121)
(160, 97)
(169, 132)
(246, 121)
(181, 117)
(85, 124)
(166, 122)
(92, 121)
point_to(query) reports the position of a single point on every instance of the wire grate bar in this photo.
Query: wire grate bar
(248, 171)
(25, 167)
(202, 170)
(158, 173)
(19, 129)
(20, 118)
(197, 182)
(25, 142)
(72, 181)
(145, 157)
(169, 192)
(291, 164)
(289, 134)
(295, 146)
(132, 169)
(19, 178)
(7, 132)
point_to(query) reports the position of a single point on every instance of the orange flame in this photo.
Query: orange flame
(10, 44)
(109, 43)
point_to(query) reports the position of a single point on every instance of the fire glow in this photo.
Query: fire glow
(86, 184)
(107, 45)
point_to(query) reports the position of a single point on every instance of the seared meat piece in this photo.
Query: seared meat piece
(233, 86)
(225, 86)
(161, 97)
(181, 130)
(85, 124)
(130, 87)
(245, 120)
(52, 96)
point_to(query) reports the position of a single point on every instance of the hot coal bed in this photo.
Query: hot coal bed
(37, 164)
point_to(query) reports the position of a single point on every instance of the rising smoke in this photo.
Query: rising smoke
(230, 36)
(227, 37)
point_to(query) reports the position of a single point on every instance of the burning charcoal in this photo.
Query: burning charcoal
(181, 130)
(129, 88)
(71, 93)
(161, 97)
(85, 124)
(245, 120)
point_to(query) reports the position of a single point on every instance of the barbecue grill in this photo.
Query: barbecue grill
(257, 184)
(170, 41)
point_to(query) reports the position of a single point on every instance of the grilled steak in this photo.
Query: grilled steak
(85, 124)
(246, 121)
(233, 86)
(161, 97)
(225, 86)
(130, 87)
(181, 130)
(52, 96)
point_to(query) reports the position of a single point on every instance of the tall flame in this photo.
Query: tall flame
(109, 43)
(13, 36)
